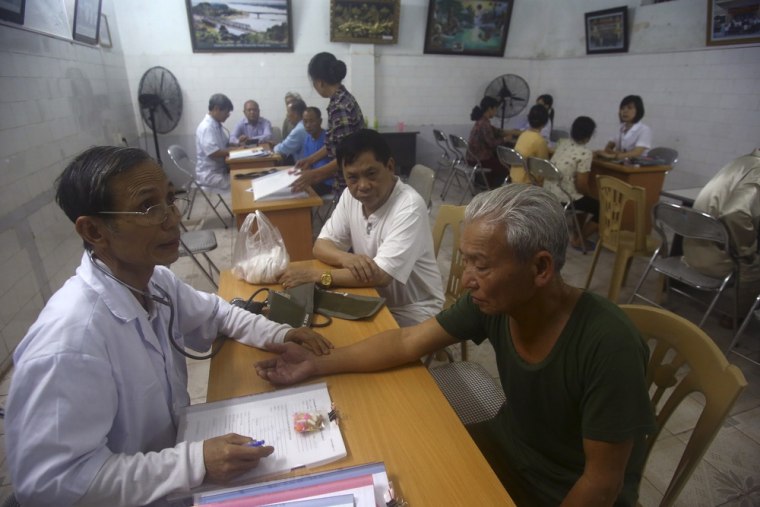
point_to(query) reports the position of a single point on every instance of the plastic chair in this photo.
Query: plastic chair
(613, 196)
(753, 312)
(421, 178)
(194, 243)
(463, 168)
(540, 169)
(672, 219)
(182, 174)
(448, 155)
(685, 360)
(509, 157)
(669, 155)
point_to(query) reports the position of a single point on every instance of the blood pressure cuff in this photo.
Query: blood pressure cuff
(296, 306)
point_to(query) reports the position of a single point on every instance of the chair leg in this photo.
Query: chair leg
(745, 323)
(638, 285)
(713, 302)
(578, 227)
(213, 207)
(618, 274)
(597, 250)
(193, 194)
(447, 184)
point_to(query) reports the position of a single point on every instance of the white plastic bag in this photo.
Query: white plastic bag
(259, 257)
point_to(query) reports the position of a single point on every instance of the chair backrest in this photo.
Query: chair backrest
(681, 347)
(450, 216)
(689, 223)
(180, 172)
(421, 179)
(541, 169)
(669, 155)
(556, 134)
(613, 196)
(443, 143)
(509, 157)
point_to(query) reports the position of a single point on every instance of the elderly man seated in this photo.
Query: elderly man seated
(212, 144)
(100, 379)
(252, 129)
(573, 367)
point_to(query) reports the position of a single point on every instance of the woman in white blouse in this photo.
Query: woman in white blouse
(634, 138)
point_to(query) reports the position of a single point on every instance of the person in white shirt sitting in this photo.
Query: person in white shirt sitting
(634, 138)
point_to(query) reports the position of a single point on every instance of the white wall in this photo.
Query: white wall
(58, 98)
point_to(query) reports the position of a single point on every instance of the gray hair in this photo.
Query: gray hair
(532, 217)
(220, 101)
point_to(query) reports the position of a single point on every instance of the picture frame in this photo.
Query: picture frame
(478, 28)
(13, 11)
(607, 31)
(242, 25)
(105, 32)
(731, 25)
(87, 21)
(364, 21)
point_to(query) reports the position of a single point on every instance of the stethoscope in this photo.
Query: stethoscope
(165, 300)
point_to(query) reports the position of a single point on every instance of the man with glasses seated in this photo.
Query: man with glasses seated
(101, 376)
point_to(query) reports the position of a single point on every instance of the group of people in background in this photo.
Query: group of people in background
(304, 143)
(571, 155)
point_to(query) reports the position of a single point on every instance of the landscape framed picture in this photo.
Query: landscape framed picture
(607, 31)
(464, 27)
(12, 10)
(733, 22)
(242, 25)
(364, 21)
(87, 21)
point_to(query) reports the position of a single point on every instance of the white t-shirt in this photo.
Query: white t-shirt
(639, 135)
(397, 237)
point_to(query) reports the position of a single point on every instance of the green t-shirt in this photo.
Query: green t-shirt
(591, 385)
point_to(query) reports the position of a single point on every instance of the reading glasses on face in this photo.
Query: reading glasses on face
(156, 214)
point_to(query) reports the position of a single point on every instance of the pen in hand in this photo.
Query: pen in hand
(254, 443)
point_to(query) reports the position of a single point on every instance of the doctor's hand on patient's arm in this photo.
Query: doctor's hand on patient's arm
(309, 339)
(292, 364)
(227, 457)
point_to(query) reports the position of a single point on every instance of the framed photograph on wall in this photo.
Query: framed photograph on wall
(12, 10)
(607, 31)
(468, 27)
(87, 21)
(364, 21)
(733, 23)
(242, 25)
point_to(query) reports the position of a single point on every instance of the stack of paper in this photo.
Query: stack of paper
(276, 186)
(269, 417)
(359, 486)
(249, 153)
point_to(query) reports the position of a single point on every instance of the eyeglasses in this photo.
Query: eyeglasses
(157, 214)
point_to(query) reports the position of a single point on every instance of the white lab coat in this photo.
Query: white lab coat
(97, 388)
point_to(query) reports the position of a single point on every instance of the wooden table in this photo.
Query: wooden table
(252, 162)
(650, 177)
(397, 416)
(291, 216)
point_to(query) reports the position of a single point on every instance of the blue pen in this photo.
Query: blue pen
(255, 443)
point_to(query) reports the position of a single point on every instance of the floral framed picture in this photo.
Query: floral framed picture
(364, 21)
(733, 23)
(468, 27)
(242, 25)
(607, 31)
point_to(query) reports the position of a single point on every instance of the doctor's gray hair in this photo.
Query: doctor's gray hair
(533, 219)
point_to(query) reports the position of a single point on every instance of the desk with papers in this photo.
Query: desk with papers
(398, 416)
(292, 216)
(252, 158)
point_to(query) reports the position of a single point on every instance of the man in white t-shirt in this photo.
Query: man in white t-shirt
(378, 236)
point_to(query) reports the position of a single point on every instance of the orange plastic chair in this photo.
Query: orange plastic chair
(613, 196)
(685, 360)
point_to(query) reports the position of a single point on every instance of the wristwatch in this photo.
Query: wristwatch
(325, 280)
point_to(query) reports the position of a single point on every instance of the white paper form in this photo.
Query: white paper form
(276, 186)
(249, 153)
(269, 417)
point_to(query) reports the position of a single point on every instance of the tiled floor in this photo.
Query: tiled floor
(730, 471)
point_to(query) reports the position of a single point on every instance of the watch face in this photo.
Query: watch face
(326, 279)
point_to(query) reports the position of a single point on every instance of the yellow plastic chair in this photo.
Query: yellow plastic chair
(613, 196)
(450, 216)
(685, 360)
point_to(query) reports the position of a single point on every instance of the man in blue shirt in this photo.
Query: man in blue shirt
(252, 129)
(313, 142)
(293, 144)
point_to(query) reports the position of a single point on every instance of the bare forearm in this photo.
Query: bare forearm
(326, 251)
(585, 493)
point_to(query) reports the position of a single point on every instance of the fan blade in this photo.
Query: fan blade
(166, 111)
(149, 100)
(504, 92)
(518, 98)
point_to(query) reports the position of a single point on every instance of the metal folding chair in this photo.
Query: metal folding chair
(463, 168)
(669, 155)
(194, 243)
(448, 155)
(509, 157)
